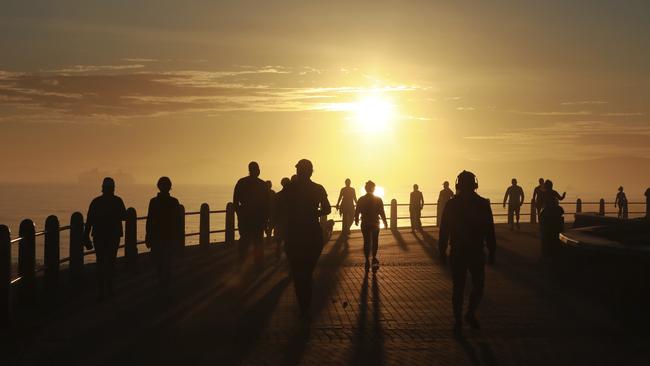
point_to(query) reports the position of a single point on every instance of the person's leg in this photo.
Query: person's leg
(112, 258)
(258, 248)
(419, 219)
(367, 237)
(100, 260)
(458, 275)
(511, 221)
(517, 214)
(412, 218)
(477, 270)
(375, 242)
(244, 241)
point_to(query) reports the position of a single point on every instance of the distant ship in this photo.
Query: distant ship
(95, 177)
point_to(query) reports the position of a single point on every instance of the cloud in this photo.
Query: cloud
(584, 102)
(137, 59)
(114, 93)
(623, 114)
(465, 108)
(554, 113)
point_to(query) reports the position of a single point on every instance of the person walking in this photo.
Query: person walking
(280, 218)
(538, 196)
(345, 205)
(445, 195)
(270, 223)
(104, 223)
(303, 205)
(416, 204)
(164, 231)
(251, 200)
(515, 198)
(371, 209)
(621, 202)
(467, 226)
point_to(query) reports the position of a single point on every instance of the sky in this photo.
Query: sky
(400, 92)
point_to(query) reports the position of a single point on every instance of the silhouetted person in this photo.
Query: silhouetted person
(270, 224)
(104, 223)
(371, 209)
(445, 195)
(551, 219)
(647, 203)
(538, 196)
(550, 196)
(621, 202)
(164, 231)
(345, 205)
(416, 204)
(251, 200)
(467, 225)
(303, 204)
(280, 217)
(515, 198)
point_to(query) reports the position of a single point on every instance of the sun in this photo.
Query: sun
(373, 113)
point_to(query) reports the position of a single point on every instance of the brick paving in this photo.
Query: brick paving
(401, 315)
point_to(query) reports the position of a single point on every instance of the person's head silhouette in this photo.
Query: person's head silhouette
(370, 187)
(466, 182)
(269, 184)
(304, 169)
(415, 187)
(108, 186)
(548, 185)
(445, 184)
(541, 181)
(620, 189)
(285, 182)
(254, 169)
(164, 184)
(348, 182)
(514, 181)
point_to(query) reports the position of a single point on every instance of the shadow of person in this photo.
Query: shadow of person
(399, 239)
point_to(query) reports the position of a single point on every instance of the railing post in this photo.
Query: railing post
(182, 226)
(601, 208)
(533, 212)
(230, 223)
(393, 214)
(204, 225)
(578, 205)
(5, 276)
(52, 254)
(131, 239)
(76, 248)
(27, 262)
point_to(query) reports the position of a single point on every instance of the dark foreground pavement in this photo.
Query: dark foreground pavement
(218, 314)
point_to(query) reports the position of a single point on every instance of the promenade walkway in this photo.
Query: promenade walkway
(219, 314)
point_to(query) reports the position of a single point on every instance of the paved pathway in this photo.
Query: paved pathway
(401, 315)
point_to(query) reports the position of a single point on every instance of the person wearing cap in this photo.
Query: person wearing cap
(164, 232)
(104, 223)
(467, 226)
(303, 205)
(443, 197)
(371, 209)
(251, 200)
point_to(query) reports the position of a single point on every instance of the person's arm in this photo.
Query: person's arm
(421, 201)
(325, 207)
(535, 195)
(443, 238)
(354, 196)
(490, 236)
(616, 200)
(122, 210)
(562, 197)
(505, 197)
(149, 226)
(523, 197)
(90, 221)
(338, 201)
(235, 196)
(382, 213)
(357, 212)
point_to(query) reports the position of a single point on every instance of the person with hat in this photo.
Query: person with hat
(302, 205)
(467, 226)
(104, 223)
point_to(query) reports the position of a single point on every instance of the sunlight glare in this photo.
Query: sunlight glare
(373, 114)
